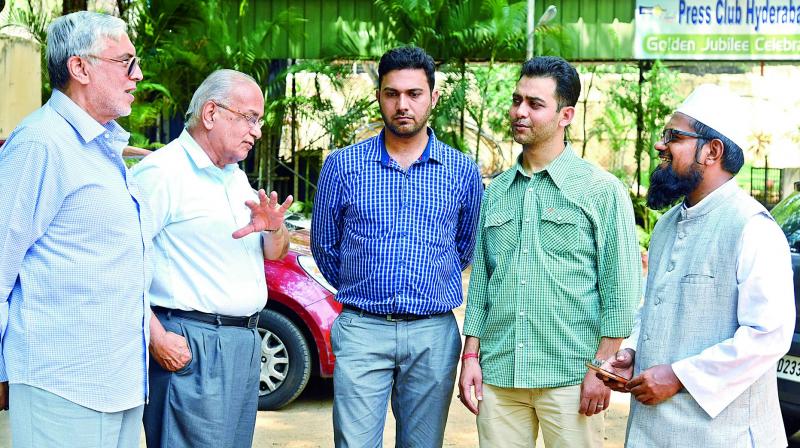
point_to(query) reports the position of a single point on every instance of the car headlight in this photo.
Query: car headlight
(310, 266)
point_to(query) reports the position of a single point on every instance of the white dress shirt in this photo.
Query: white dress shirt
(196, 207)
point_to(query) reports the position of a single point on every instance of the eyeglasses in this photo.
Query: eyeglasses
(669, 135)
(132, 62)
(252, 120)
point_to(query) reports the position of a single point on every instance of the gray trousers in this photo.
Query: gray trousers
(42, 419)
(212, 402)
(413, 362)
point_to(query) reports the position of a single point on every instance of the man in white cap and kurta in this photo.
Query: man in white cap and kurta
(719, 306)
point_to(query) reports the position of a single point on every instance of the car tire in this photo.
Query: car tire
(285, 361)
(791, 424)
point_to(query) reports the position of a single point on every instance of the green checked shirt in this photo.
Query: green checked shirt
(556, 267)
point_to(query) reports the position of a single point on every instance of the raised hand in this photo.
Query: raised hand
(265, 214)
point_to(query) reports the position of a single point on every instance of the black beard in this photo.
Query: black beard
(667, 187)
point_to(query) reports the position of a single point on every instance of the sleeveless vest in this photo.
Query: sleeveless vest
(691, 305)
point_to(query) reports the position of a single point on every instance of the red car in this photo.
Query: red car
(295, 325)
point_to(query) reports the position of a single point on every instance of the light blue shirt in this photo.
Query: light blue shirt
(73, 268)
(196, 207)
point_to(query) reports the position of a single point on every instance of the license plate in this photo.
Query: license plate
(789, 368)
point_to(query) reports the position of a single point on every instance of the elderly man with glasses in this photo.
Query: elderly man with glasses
(74, 245)
(211, 234)
(719, 306)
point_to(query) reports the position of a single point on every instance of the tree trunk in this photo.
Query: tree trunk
(73, 5)
(639, 132)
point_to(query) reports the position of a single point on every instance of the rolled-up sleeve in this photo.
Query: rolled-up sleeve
(32, 193)
(475, 315)
(618, 262)
(326, 222)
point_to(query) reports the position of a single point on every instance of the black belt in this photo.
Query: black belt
(215, 319)
(391, 317)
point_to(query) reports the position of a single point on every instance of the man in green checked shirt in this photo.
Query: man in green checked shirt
(555, 280)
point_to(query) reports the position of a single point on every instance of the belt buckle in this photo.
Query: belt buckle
(252, 322)
(390, 318)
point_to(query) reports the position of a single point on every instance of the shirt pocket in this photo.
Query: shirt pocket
(562, 230)
(501, 232)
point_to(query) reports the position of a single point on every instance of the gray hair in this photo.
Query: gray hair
(81, 33)
(216, 87)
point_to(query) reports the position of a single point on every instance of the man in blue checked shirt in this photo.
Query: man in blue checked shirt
(394, 224)
(73, 267)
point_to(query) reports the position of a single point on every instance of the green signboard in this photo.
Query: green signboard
(717, 29)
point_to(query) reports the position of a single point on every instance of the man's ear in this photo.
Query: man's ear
(434, 98)
(78, 69)
(207, 114)
(567, 115)
(716, 149)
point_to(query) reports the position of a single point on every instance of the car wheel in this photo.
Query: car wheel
(285, 361)
(791, 423)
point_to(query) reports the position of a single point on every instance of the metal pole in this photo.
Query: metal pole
(531, 14)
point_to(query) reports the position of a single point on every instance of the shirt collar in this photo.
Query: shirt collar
(559, 169)
(710, 202)
(432, 150)
(83, 123)
(198, 155)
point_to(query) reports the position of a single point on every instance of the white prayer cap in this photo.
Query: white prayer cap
(719, 109)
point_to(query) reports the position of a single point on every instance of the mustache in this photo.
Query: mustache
(667, 186)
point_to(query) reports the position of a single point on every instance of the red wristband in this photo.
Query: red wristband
(466, 356)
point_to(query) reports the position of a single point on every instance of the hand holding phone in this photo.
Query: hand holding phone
(607, 374)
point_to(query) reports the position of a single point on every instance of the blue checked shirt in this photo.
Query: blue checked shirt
(393, 240)
(72, 271)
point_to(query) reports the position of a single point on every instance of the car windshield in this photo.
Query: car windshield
(787, 214)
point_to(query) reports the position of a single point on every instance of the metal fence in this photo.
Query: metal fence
(765, 185)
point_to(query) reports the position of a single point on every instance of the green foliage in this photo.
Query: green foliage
(180, 42)
(645, 219)
(633, 104)
(340, 121)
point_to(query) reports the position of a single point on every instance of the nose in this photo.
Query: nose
(660, 146)
(402, 102)
(137, 74)
(519, 111)
(255, 131)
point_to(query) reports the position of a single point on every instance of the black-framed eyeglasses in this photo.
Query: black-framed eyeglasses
(252, 120)
(132, 62)
(669, 135)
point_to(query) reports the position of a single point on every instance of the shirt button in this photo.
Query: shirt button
(681, 235)
(522, 313)
(558, 218)
(107, 135)
(524, 251)
(658, 300)
(521, 345)
(527, 220)
(646, 338)
(530, 189)
(670, 267)
(522, 282)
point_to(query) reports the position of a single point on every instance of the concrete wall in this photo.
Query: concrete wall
(20, 81)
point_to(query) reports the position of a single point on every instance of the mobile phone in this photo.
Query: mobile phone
(607, 374)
